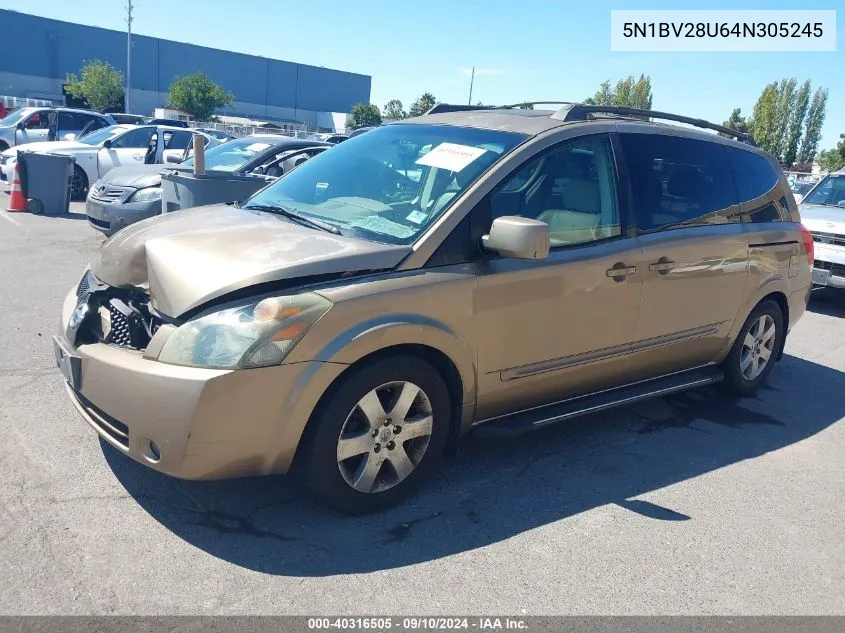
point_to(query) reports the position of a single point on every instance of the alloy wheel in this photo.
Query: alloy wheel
(757, 347)
(77, 187)
(385, 436)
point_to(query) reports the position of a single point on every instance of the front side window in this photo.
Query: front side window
(389, 184)
(830, 192)
(679, 181)
(134, 139)
(38, 121)
(571, 188)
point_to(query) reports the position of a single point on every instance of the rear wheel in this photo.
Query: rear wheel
(3, 146)
(754, 352)
(379, 434)
(78, 184)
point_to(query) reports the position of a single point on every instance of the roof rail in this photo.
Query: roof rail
(449, 107)
(581, 111)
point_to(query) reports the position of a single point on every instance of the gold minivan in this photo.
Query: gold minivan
(500, 269)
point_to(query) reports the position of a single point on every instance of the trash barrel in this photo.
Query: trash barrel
(46, 181)
(184, 190)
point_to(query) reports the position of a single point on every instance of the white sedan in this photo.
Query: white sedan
(115, 146)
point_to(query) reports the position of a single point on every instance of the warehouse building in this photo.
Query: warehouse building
(41, 52)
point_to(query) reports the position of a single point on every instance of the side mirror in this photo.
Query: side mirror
(515, 236)
(173, 158)
(107, 143)
(70, 136)
(21, 125)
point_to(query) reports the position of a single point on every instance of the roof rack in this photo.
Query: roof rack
(581, 111)
(451, 107)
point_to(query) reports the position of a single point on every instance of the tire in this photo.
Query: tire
(372, 444)
(3, 146)
(743, 373)
(79, 184)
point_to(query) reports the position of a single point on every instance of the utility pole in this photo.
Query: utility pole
(127, 99)
(471, 80)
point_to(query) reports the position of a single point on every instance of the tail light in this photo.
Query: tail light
(807, 237)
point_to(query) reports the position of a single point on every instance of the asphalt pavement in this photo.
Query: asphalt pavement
(692, 504)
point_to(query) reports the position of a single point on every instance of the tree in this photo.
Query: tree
(813, 128)
(526, 106)
(736, 122)
(198, 95)
(796, 124)
(833, 159)
(422, 105)
(628, 92)
(783, 115)
(393, 110)
(100, 84)
(764, 123)
(364, 115)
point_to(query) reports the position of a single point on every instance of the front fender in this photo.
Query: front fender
(390, 330)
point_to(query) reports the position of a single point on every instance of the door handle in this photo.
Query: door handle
(619, 271)
(662, 265)
(137, 156)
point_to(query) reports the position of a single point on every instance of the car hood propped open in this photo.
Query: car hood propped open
(191, 257)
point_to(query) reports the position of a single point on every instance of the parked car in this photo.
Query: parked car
(823, 213)
(170, 122)
(350, 321)
(129, 194)
(133, 119)
(102, 150)
(800, 188)
(33, 125)
(220, 135)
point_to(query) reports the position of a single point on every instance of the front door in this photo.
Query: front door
(35, 128)
(559, 327)
(129, 148)
(695, 250)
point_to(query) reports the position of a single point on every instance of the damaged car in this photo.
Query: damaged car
(498, 270)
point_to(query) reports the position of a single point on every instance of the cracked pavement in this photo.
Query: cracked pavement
(692, 504)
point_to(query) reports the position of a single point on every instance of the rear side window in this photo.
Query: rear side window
(758, 187)
(679, 181)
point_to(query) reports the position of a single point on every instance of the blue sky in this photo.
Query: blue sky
(522, 50)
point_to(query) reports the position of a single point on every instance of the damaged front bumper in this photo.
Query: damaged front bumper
(188, 422)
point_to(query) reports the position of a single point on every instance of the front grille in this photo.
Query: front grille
(110, 193)
(837, 270)
(115, 429)
(101, 223)
(119, 327)
(84, 285)
(828, 238)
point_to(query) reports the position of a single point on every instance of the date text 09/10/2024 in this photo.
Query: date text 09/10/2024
(417, 623)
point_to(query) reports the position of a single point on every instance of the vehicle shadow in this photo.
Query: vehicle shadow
(496, 489)
(827, 301)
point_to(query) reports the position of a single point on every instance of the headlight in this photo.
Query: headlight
(254, 335)
(146, 194)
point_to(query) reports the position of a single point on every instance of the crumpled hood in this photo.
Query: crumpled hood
(191, 257)
(139, 176)
(58, 147)
(823, 218)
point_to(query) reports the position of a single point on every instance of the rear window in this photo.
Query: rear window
(758, 187)
(678, 181)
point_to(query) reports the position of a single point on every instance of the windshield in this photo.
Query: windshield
(98, 136)
(830, 191)
(14, 116)
(233, 155)
(391, 183)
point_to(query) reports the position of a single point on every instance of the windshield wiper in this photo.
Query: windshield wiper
(293, 215)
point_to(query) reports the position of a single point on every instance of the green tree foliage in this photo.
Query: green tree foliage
(198, 95)
(526, 106)
(100, 84)
(813, 128)
(629, 92)
(833, 159)
(364, 115)
(796, 124)
(422, 105)
(736, 122)
(783, 114)
(764, 119)
(393, 110)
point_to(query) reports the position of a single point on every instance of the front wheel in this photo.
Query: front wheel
(379, 434)
(754, 352)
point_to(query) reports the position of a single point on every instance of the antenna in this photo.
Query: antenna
(127, 99)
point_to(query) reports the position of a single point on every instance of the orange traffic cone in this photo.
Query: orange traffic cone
(16, 200)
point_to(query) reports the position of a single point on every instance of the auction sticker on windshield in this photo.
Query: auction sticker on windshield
(451, 156)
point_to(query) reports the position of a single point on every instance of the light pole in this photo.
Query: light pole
(127, 101)
(471, 80)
